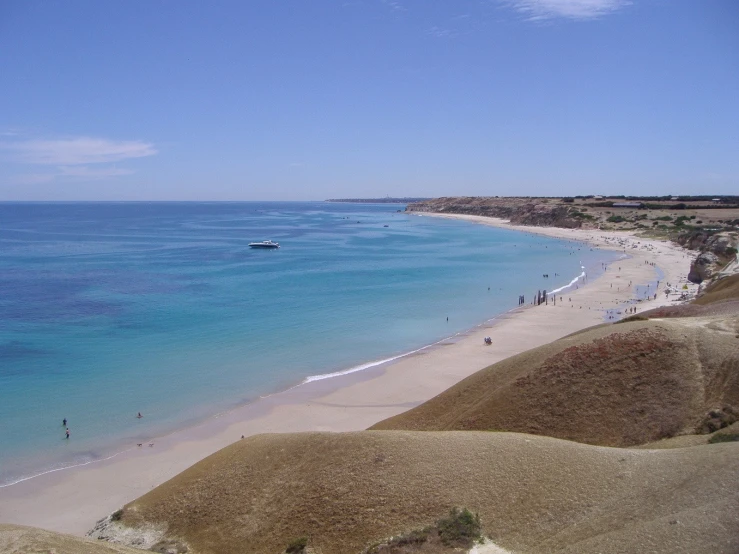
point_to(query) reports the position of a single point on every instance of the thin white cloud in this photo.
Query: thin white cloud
(69, 173)
(440, 32)
(74, 151)
(32, 178)
(536, 10)
(92, 172)
(69, 159)
(394, 5)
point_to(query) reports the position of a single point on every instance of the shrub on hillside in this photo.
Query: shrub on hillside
(633, 318)
(461, 528)
(718, 419)
(297, 546)
(723, 437)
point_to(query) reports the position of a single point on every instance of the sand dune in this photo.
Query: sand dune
(17, 539)
(533, 494)
(613, 385)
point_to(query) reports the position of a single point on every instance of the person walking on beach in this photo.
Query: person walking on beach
(67, 433)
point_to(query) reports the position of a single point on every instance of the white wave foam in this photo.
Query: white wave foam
(571, 283)
(62, 468)
(362, 367)
(368, 365)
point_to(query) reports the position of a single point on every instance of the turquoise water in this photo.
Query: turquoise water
(108, 309)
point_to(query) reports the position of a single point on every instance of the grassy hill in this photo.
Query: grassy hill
(534, 494)
(614, 385)
(722, 291)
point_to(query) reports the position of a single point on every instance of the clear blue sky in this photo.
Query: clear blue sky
(312, 99)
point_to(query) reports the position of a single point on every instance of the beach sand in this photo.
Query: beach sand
(72, 500)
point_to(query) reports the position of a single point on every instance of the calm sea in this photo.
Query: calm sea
(109, 309)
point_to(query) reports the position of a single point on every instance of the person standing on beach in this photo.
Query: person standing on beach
(64, 422)
(67, 433)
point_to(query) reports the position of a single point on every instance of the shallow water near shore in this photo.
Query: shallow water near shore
(109, 309)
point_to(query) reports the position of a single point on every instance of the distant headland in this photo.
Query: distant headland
(386, 200)
(708, 224)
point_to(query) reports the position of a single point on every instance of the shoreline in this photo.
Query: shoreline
(376, 364)
(103, 454)
(351, 400)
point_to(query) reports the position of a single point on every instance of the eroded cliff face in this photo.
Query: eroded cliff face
(714, 252)
(539, 212)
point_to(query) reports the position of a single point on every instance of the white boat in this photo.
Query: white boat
(264, 244)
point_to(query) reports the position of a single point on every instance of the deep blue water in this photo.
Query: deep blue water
(108, 309)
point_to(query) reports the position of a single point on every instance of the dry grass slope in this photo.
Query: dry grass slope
(723, 290)
(720, 298)
(615, 385)
(534, 494)
(16, 539)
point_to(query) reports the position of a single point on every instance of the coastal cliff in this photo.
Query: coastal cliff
(715, 251)
(711, 230)
(539, 212)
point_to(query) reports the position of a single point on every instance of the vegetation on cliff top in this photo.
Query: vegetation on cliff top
(662, 217)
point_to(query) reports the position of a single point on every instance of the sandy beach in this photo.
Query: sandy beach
(72, 500)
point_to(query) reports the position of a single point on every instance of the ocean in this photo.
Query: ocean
(110, 309)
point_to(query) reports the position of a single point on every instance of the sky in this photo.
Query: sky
(317, 99)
